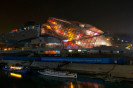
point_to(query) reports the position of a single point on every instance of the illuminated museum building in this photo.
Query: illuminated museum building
(57, 33)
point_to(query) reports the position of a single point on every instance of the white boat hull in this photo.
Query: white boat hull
(57, 74)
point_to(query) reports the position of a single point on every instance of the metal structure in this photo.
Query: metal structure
(75, 35)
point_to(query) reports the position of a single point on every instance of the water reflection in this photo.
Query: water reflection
(16, 75)
(17, 80)
(79, 84)
(71, 85)
(74, 83)
(89, 85)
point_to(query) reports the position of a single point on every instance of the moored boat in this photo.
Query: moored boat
(49, 72)
(16, 68)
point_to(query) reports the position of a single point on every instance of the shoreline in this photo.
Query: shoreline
(97, 70)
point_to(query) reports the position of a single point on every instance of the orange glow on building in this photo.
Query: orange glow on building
(87, 36)
(51, 52)
(53, 22)
(15, 30)
(48, 27)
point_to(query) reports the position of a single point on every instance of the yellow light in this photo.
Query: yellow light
(127, 47)
(16, 75)
(5, 49)
(79, 50)
(48, 26)
(16, 68)
(108, 38)
(54, 22)
(70, 34)
(56, 27)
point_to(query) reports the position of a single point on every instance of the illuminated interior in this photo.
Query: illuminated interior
(52, 52)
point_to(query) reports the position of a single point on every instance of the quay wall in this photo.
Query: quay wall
(115, 70)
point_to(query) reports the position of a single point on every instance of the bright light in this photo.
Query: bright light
(96, 34)
(49, 27)
(57, 52)
(53, 22)
(128, 47)
(84, 50)
(71, 85)
(24, 28)
(16, 68)
(79, 50)
(70, 51)
(117, 51)
(65, 40)
(5, 49)
(55, 43)
(78, 42)
(88, 32)
(77, 36)
(103, 43)
(16, 75)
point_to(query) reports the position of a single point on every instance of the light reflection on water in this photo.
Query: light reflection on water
(15, 80)
(16, 75)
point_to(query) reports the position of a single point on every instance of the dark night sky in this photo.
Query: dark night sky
(108, 15)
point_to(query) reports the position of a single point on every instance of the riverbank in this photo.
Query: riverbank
(97, 70)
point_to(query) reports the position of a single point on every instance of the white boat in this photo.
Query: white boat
(58, 74)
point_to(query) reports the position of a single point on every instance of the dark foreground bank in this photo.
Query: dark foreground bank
(14, 80)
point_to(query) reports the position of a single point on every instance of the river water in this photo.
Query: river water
(15, 80)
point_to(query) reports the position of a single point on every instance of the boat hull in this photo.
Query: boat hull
(59, 75)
